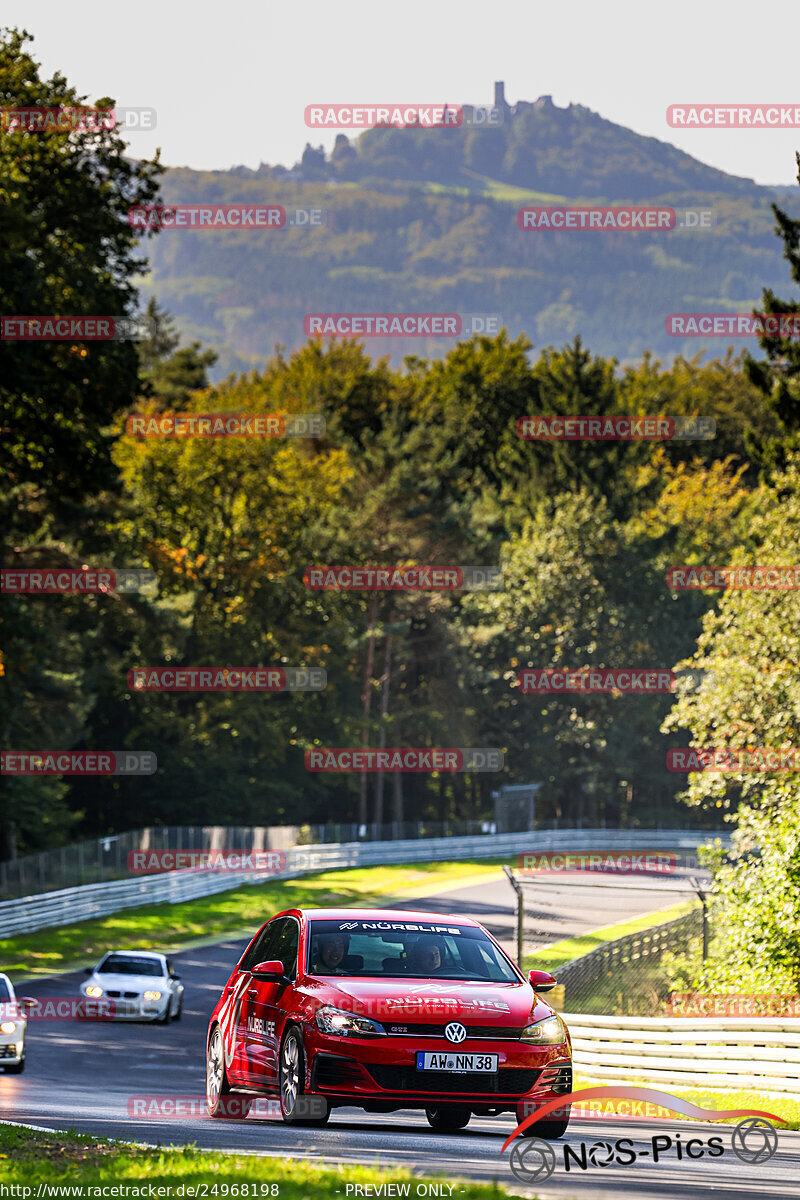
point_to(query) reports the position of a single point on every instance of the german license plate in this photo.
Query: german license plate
(451, 1060)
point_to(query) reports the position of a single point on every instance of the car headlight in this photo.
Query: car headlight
(346, 1024)
(8, 1027)
(151, 995)
(550, 1032)
(94, 990)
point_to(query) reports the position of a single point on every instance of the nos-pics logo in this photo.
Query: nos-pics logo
(754, 1140)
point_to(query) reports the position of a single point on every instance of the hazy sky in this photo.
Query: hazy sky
(230, 81)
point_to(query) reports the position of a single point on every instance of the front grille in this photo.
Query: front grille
(127, 995)
(8, 1051)
(508, 1081)
(503, 1032)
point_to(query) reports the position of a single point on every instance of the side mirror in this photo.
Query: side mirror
(27, 1004)
(273, 968)
(88, 970)
(541, 981)
(175, 977)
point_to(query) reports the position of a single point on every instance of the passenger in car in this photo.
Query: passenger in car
(426, 956)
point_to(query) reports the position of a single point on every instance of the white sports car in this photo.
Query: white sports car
(139, 985)
(13, 1026)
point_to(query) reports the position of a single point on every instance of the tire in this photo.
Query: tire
(220, 1100)
(17, 1068)
(543, 1129)
(447, 1118)
(179, 1013)
(291, 1079)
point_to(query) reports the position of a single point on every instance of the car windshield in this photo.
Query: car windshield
(405, 949)
(116, 965)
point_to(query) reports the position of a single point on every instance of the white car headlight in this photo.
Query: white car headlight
(93, 990)
(346, 1024)
(550, 1032)
(8, 1027)
(151, 995)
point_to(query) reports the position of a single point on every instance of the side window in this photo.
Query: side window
(288, 946)
(265, 947)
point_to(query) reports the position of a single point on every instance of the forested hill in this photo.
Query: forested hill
(427, 221)
(567, 152)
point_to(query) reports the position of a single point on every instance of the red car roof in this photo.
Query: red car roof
(382, 914)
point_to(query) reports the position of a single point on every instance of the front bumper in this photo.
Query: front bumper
(12, 1048)
(351, 1071)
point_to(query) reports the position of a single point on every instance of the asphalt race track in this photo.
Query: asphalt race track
(84, 1075)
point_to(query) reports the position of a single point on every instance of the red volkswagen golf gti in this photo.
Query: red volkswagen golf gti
(383, 1010)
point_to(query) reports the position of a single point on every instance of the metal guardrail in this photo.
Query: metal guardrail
(70, 905)
(729, 1052)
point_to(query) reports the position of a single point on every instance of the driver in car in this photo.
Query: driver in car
(426, 956)
(330, 951)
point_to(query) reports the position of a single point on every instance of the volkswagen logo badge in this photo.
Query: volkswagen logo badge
(455, 1032)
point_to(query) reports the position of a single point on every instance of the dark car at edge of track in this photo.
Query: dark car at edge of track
(385, 1010)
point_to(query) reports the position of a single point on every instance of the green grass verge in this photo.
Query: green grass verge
(31, 1158)
(240, 910)
(555, 955)
(783, 1106)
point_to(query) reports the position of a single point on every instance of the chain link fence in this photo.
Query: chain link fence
(632, 975)
(566, 922)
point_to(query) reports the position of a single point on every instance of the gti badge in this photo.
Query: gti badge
(455, 1032)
